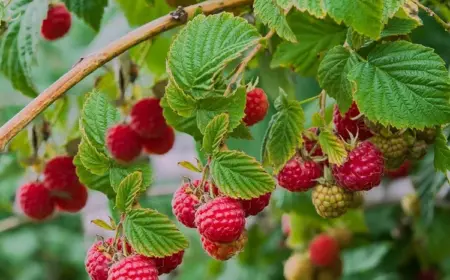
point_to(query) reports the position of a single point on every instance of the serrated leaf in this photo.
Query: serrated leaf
(204, 47)
(183, 104)
(90, 11)
(119, 172)
(95, 161)
(139, 12)
(102, 224)
(285, 4)
(364, 16)
(441, 153)
(97, 116)
(403, 85)
(270, 14)
(332, 146)
(314, 37)
(242, 131)
(332, 75)
(128, 190)
(314, 7)
(398, 26)
(263, 152)
(92, 181)
(215, 133)
(152, 234)
(357, 41)
(189, 166)
(391, 7)
(179, 123)
(239, 175)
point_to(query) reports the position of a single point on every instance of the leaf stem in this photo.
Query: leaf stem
(323, 102)
(310, 99)
(439, 20)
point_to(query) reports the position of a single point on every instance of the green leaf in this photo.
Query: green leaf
(102, 224)
(97, 116)
(297, 202)
(128, 191)
(270, 14)
(146, 52)
(152, 234)
(91, 11)
(332, 146)
(215, 133)
(242, 131)
(361, 259)
(119, 172)
(189, 166)
(95, 161)
(204, 47)
(364, 16)
(183, 104)
(441, 153)
(139, 12)
(186, 125)
(314, 7)
(391, 7)
(403, 85)
(92, 181)
(332, 75)
(399, 26)
(314, 37)
(240, 176)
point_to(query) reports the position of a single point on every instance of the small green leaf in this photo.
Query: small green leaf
(391, 7)
(240, 176)
(119, 172)
(215, 133)
(364, 258)
(399, 26)
(91, 11)
(128, 191)
(183, 104)
(95, 161)
(152, 234)
(441, 153)
(270, 14)
(189, 166)
(92, 181)
(242, 131)
(102, 224)
(332, 74)
(186, 125)
(314, 7)
(332, 146)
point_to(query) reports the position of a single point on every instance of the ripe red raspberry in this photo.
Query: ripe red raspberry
(220, 220)
(402, 171)
(59, 173)
(161, 144)
(135, 267)
(224, 251)
(73, 199)
(255, 205)
(98, 258)
(323, 250)
(147, 118)
(35, 201)
(345, 125)
(167, 264)
(123, 143)
(362, 169)
(299, 175)
(310, 142)
(256, 106)
(183, 204)
(57, 23)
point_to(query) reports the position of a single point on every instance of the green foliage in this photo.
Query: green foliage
(399, 26)
(183, 104)
(214, 133)
(441, 153)
(128, 190)
(91, 11)
(92, 181)
(139, 12)
(187, 125)
(272, 16)
(364, 258)
(119, 172)
(332, 146)
(314, 7)
(95, 161)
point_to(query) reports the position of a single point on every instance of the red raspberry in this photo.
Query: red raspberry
(123, 143)
(346, 126)
(73, 200)
(310, 142)
(183, 204)
(135, 267)
(220, 220)
(323, 250)
(256, 106)
(35, 201)
(57, 23)
(161, 144)
(147, 118)
(167, 264)
(299, 175)
(255, 205)
(402, 171)
(362, 170)
(224, 251)
(60, 173)
(98, 258)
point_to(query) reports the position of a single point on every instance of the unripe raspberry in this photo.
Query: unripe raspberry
(220, 220)
(394, 149)
(418, 150)
(57, 23)
(256, 106)
(60, 173)
(224, 251)
(135, 267)
(323, 250)
(160, 145)
(362, 170)
(331, 201)
(298, 267)
(147, 118)
(342, 235)
(299, 175)
(402, 171)
(428, 134)
(169, 263)
(123, 143)
(35, 201)
(346, 125)
(255, 205)
(73, 200)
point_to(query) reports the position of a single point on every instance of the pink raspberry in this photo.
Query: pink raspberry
(255, 205)
(256, 106)
(60, 173)
(224, 251)
(147, 118)
(345, 125)
(160, 145)
(299, 175)
(35, 201)
(57, 23)
(123, 143)
(324, 250)
(135, 267)
(167, 264)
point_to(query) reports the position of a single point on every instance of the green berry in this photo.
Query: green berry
(428, 134)
(418, 150)
(395, 149)
(331, 201)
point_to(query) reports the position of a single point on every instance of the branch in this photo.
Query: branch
(323, 103)
(92, 62)
(439, 20)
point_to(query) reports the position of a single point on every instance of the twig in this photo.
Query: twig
(444, 24)
(246, 60)
(96, 60)
(310, 99)
(11, 223)
(323, 102)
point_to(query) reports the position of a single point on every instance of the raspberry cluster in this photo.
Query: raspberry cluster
(60, 190)
(146, 131)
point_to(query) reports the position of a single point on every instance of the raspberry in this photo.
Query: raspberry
(167, 264)
(255, 205)
(98, 258)
(310, 142)
(57, 23)
(346, 126)
(147, 118)
(323, 250)
(299, 175)
(394, 149)
(256, 106)
(59, 173)
(123, 143)
(429, 274)
(135, 267)
(402, 171)
(342, 235)
(286, 224)
(183, 204)
(418, 150)
(298, 267)
(73, 200)
(35, 201)
(161, 144)
(411, 205)
(362, 170)
(220, 220)
(428, 134)
(331, 201)
(224, 251)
